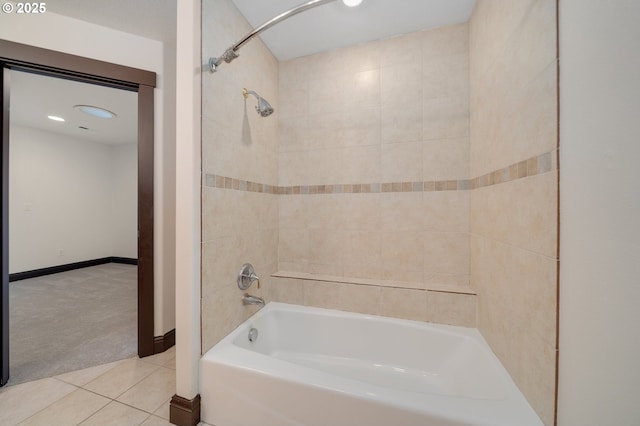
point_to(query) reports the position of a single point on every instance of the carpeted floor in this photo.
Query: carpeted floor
(72, 320)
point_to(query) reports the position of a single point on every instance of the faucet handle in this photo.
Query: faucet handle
(247, 276)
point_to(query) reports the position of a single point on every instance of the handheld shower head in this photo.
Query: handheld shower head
(263, 108)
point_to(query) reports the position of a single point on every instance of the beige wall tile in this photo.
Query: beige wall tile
(326, 246)
(446, 76)
(402, 122)
(286, 290)
(358, 164)
(538, 380)
(293, 133)
(404, 303)
(361, 103)
(358, 212)
(363, 249)
(401, 84)
(403, 49)
(362, 126)
(445, 159)
(402, 162)
(322, 294)
(294, 246)
(445, 118)
(363, 299)
(294, 72)
(438, 280)
(240, 226)
(326, 64)
(401, 212)
(362, 57)
(293, 100)
(446, 252)
(334, 269)
(222, 258)
(291, 170)
(445, 41)
(446, 211)
(451, 308)
(362, 88)
(528, 210)
(326, 130)
(328, 94)
(536, 115)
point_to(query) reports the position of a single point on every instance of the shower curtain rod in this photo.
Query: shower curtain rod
(230, 54)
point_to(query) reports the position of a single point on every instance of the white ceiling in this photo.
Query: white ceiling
(34, 97)
(323, 28)
(154, 19)
(335, 25)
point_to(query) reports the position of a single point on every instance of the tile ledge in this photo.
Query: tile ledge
(412, 285)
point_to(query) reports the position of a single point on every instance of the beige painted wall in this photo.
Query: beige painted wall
(239, 221)
(514, 211)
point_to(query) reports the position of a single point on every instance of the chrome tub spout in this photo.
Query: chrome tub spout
(248, 299)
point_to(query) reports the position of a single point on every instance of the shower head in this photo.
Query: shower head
(263, 108)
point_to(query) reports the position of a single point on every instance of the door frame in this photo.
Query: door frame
(62, 65)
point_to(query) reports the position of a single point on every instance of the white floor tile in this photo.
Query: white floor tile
(116, 414)
(156, 421)
(82, 377)
(163, 411)
(122, 377)
(20, 402)
(70, 410)
(152, 392)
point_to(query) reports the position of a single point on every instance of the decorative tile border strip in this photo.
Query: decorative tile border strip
(215, 181)
(533, 166)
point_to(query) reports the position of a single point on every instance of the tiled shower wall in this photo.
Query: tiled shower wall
(239, 222)
(514, 217)
(373, 189)
(374, 178)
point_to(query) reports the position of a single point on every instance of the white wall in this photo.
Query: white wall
(599, 345)
(69, 200)
(68, 35)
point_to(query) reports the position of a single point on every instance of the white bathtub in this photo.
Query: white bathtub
(315, 367)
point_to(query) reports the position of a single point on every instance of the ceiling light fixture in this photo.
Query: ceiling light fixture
(95, 111)
(352, 3)
(55, 118)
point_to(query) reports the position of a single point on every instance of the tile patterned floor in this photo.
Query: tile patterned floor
(128, 392)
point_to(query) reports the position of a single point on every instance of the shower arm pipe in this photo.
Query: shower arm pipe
(230, 54)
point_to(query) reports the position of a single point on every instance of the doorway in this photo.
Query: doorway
(72, 225)
(15, 56)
